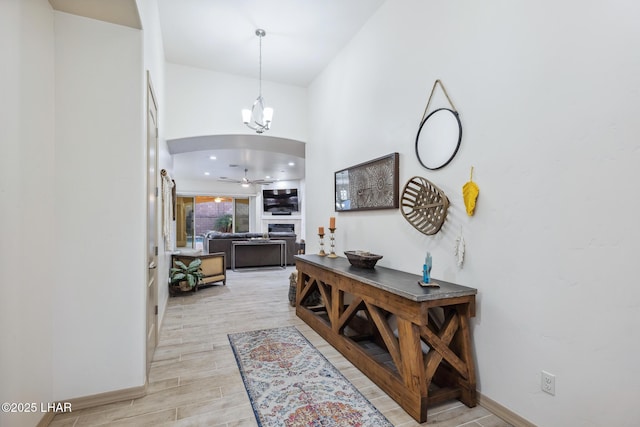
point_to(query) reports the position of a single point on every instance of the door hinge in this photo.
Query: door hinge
(156, 310)
(156, 250)
(156, 191)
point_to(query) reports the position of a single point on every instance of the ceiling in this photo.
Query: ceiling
(279, 159)
(122, 12)
(302, 35)
(302, 38)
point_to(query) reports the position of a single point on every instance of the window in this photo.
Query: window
(200, 214)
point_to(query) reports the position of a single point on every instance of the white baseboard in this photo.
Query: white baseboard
(46, 419)
(502, 412)
(97, 400)
(137, 392)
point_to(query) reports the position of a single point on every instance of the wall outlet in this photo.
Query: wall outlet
(548, 383)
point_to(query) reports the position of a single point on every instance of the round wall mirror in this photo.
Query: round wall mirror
(438, 138)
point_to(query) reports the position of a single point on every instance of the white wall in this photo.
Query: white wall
(79, 330)
(99, 303)
(202, 102)
(27, 194)
(549, 97)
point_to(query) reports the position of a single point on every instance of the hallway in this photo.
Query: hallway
(194, 379)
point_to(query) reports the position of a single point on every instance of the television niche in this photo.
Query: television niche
(280, 201)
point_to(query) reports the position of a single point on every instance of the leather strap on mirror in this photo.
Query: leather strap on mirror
(433, 89)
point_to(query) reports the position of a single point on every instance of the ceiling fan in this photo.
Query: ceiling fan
(245, 182)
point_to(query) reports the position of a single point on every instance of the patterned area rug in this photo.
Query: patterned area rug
(290, 383)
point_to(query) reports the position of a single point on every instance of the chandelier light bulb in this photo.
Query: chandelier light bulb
(268, 114)
(246, 116)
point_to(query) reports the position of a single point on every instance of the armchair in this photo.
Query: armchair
(213, 266)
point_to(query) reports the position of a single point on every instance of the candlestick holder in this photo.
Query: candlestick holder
(333, 246)
(322, 252)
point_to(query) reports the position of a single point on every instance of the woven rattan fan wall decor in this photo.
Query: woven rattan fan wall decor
(424, 205)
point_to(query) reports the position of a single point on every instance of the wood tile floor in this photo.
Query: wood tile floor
(194, 379)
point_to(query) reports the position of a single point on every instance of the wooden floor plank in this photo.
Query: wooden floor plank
(196, 381)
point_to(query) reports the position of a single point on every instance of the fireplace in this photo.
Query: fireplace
(279, 228)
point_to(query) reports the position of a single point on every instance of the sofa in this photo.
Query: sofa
(251, 256)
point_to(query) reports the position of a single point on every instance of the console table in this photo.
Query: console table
(413, 342)
(259, 243)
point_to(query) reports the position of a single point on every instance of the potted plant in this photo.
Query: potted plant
(185, 277)
(224, 223)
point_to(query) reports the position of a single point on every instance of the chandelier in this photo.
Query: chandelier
(259, 117)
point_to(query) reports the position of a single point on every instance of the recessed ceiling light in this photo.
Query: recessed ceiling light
(291, 164)
(212, 157)
(267, 177)
(207, 173)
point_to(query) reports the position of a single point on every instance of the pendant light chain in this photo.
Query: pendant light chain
(259, 117)
(260, 73)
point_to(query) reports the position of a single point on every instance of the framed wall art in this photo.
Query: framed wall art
(369, 185)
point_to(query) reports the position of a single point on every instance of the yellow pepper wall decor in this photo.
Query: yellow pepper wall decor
(470, 193)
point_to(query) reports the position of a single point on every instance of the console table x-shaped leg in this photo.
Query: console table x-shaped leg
(418, 378)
